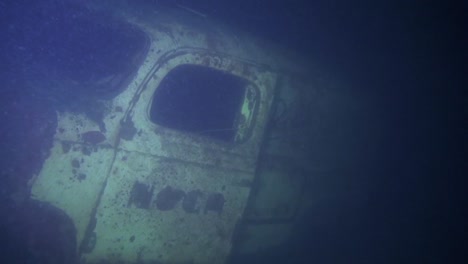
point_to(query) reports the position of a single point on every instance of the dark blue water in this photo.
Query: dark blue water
(402, 150)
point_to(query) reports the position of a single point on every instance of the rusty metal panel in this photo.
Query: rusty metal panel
(179, 192)
(138, 191)
(167, 210)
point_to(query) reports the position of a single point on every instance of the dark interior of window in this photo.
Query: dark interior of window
(199, 100)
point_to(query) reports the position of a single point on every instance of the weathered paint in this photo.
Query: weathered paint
(92, 172)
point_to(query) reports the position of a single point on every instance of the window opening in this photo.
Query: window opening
(200, 100)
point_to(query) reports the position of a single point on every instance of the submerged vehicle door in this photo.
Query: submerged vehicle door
(170, 177)
(185, 160)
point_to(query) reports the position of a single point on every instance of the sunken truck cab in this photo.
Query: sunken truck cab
(200, 152)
